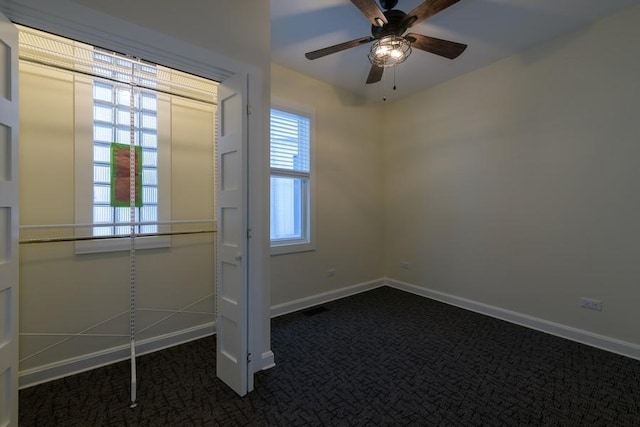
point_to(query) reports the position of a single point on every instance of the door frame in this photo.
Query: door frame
(78, 22)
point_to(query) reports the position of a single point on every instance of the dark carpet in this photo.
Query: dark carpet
(380, 358)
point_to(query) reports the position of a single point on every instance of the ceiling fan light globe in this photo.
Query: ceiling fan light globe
(389, 51)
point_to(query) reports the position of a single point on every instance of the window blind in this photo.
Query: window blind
(290, 141)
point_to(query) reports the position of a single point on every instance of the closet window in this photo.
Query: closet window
(117, 119)
(116, 106)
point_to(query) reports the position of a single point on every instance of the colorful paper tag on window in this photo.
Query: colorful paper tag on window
(121, 176)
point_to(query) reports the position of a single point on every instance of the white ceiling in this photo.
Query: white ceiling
(493, 29)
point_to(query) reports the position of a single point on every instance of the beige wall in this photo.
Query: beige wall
(64, 293)
(348, 179)
(518, 185)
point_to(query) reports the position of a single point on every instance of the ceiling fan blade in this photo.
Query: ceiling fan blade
(337, 48)
(426, 9)
(375, 74)
(436, 46)
(370, 9)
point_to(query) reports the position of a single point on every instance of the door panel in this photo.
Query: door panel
(8, 223)
(231, 310)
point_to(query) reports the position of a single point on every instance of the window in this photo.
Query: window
(116, 119)
(110, 112)
(291, 181)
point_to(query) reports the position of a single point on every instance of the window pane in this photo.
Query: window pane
(123, 136)
(102, 214)
(149, 195)
(101, 174)
(146, 69)
(288, 206)
(102, 231)
(103, 113)
(123, 214)
(101, 193)
(102, 92)
(101, 153)
(149, 102)
(149, 121)
(148, 229)
(120, 230)
(146, 82)
(102, 133)
(149, 158)
(123, 96)
(124, 118)
(149, 214)
(122, 77)
(102, 57)
(149, 176)
(149, 139)
(123, 63)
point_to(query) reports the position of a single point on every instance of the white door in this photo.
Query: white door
(8, 223)
(231, 315)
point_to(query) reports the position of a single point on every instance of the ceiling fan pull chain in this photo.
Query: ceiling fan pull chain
(394, 77)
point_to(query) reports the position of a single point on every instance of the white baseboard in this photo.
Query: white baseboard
(613, 345)
(268, 361)
(64, 368)
(302, 303)
(76, 365)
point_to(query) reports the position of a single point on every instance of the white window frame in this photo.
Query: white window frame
(83, 87)
(307, 243)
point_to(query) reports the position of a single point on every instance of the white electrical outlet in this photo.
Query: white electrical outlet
(331, 272)
(591, 304)
(404, 265)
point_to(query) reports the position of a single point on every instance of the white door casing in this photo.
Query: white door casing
(8, 223)
(231, 268)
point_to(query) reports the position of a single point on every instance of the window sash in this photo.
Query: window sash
(289, 220)
(290, 141)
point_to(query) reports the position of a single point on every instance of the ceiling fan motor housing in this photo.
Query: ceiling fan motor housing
(388, 4)
(396, 24)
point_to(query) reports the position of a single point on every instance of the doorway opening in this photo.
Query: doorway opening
(118, 210)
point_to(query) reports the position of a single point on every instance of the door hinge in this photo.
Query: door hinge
(248, 110)
(249, 235)
(248, 357)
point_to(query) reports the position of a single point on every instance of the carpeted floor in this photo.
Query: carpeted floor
(381, 358)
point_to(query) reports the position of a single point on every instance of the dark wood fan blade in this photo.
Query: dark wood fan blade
(436, 46)
(375, 74)
(370, 9)
(337, 48)
(426, 9)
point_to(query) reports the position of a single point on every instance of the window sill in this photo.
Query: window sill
(289, 248)
(121, 244)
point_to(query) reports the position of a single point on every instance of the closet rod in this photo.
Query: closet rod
(117, 224)
(86, 73)
(125, 236)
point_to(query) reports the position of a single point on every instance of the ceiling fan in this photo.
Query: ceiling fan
(390, 46)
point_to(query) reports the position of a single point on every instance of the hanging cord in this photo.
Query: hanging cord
(384, 98)
(394, 77)
(132, 236)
